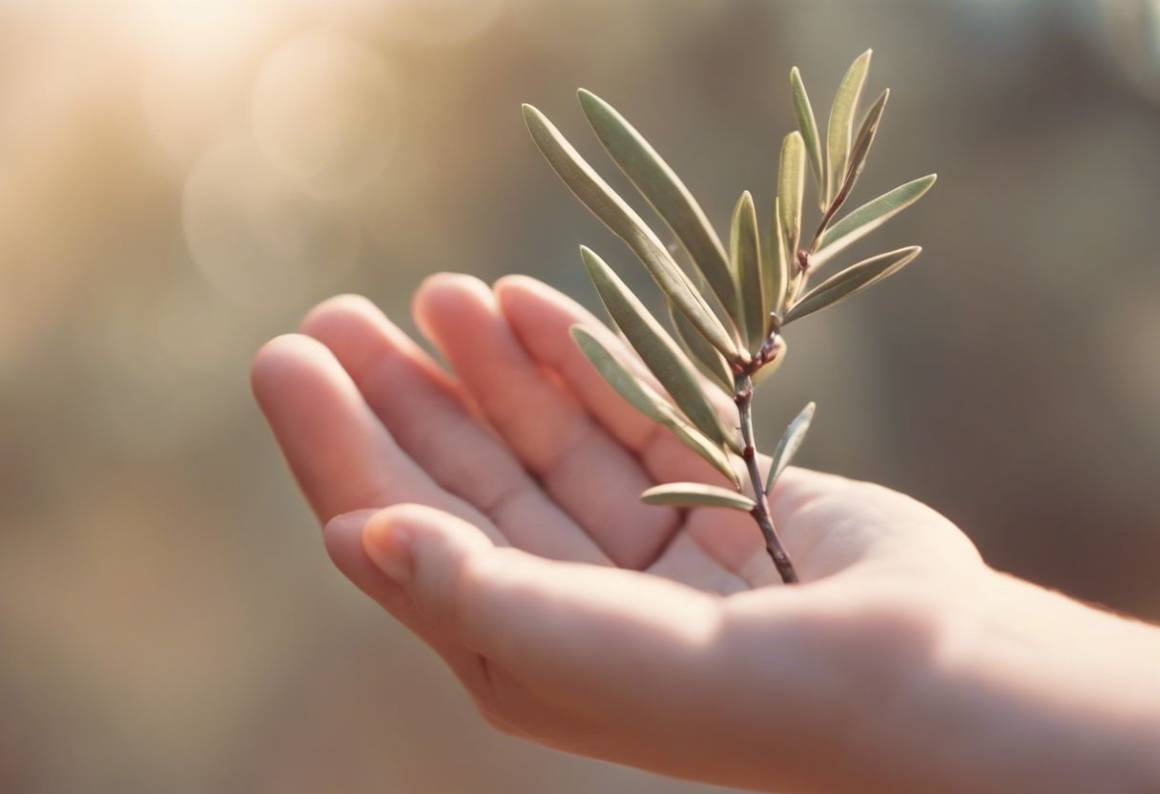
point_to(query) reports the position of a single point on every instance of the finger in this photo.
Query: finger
(540, 317)
(344, 460)
(549, 624)
(337, 449)
(422, 409)
(343, 538)
(586, 470)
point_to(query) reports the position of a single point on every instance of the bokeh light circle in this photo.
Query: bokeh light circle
(325, 112)
(255, 234)
(198, 59)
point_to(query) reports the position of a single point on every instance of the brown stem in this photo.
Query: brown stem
(744, 400)
(832, 210)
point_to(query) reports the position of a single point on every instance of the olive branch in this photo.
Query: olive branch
(729, 309)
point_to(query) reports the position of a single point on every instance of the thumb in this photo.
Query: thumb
(577, 635)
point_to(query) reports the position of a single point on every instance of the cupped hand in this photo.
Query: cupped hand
(494, 510)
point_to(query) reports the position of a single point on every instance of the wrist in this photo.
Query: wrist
(1035, 690)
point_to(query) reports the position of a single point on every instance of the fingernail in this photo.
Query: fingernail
(388, 545)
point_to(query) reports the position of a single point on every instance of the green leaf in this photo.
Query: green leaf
(635, 392)
(808, 127)
(787, 447)
(869, 217)
(790, 185)
(852, 279)
(703, 354)
(606, 205)
(839, 128)
(745, 250)
(664, 191)
(695, 494)
(774, 267)
(696, 441)
(861, 150)
(644, 398)
(655, 347)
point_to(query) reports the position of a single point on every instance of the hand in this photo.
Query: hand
(496, 514)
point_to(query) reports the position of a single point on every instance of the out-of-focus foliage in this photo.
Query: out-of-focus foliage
(180, 181)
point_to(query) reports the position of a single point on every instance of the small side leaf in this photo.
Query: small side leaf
(655, 347)
(745, 251)
(664, 191)
(695, 494)
(703, 354)
(853, 279)
(645, 399)
(839, 128)
(808, 127)
(610, 208)
(787, 447)
(790, 185)
(869, 217)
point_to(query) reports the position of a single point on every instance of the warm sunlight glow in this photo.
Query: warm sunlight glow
(324, 112)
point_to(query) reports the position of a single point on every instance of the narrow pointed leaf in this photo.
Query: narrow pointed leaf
(853, 279)
(808, 127)
(696, 441)
(644, 398)
(665, 191)
(656, 348)
(724, 316)
(839, 128)
(787, 447)
(790, 185)
(869, 217)
(635, 392)
(745, 250)
(606, 205)
(695, 494)
(861, 149)
(774, 268)
(703, 354)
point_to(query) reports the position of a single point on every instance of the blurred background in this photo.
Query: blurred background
(181, 180)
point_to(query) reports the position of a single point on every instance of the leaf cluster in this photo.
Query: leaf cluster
(728, 305)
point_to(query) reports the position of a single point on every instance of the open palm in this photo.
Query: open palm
(527, 446)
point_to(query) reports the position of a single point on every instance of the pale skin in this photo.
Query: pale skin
(493, 510)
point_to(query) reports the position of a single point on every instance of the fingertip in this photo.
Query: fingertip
(424, 525)
(338, 321)
(282, 361)
(445, 296)
(387, 537)
(431, 554)
(356, 331)
(541, 314)
(333, 310)
(523, 300)
(449, 304)
(516, 286)
(441, 288)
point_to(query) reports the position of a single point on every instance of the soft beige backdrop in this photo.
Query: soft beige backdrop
(180, 181)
